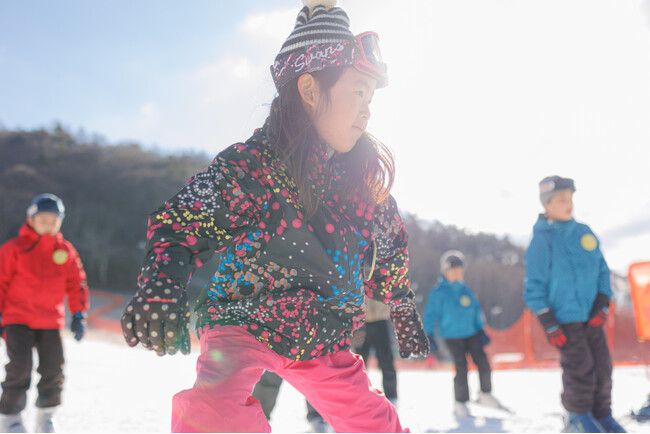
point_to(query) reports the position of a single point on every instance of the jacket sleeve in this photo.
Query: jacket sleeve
(431, 313)
(604, 276)
(7, 265)
(538, 270)
(390, 280)
(76, 283)
(479, 317)
(210, 213)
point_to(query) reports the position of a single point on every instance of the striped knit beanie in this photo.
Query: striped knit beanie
(321, 38)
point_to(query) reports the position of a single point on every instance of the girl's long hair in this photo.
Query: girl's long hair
(370, 168)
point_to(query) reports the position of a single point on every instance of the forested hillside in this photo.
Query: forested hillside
(109, 190)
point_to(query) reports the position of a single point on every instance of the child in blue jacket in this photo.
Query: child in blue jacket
(455, 311)
(568, 287)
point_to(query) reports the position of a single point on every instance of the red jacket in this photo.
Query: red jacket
(36, 273)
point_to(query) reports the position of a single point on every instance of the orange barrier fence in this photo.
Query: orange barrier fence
(639, 280)
(112, 302)
(523, 345)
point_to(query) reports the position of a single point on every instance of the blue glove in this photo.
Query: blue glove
(433, 345)
(485, 339)
(79, 325)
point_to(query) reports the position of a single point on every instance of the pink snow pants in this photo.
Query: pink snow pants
(232, 361)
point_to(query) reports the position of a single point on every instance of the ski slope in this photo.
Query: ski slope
(113, 388)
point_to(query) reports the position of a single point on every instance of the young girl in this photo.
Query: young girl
(302, 219)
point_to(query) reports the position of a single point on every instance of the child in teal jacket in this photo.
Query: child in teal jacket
(568, 287)
(453, 309)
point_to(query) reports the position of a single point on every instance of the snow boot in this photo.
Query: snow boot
(582, 422)
(44, 418)
(643, 415)
(318, 424)
(460, 409)
(488, 400)
(12, 423)
(610, 424)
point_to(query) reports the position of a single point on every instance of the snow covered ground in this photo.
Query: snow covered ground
(113, 388)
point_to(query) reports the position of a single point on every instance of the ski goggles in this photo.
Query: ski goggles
(557, 184)
(370, 61)
(362, 53)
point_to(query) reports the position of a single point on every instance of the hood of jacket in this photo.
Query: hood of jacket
(564, 228)
(28, 238)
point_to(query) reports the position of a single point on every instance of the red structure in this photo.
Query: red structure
(638, 277)
(523, 345)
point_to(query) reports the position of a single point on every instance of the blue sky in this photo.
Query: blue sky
(486, 96)
(71, 60)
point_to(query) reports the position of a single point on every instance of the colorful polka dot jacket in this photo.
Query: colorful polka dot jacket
(295, 284)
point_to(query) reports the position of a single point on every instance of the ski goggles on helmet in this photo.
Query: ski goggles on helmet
(370, 61)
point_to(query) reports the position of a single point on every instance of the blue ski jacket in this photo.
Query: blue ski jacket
(565, 270)
(454, 309)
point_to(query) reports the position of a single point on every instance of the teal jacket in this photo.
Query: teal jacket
(565, 270)
(453, 308)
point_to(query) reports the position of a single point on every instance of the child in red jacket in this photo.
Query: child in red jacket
(37, 270)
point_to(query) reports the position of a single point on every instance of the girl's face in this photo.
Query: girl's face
(341, 117)
(560, 207)
(45, 223)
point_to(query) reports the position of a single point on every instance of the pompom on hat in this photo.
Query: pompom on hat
(46, 202)
(551, 185)
(322, 38)
(311, 4)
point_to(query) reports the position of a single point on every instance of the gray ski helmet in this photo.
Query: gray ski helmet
(46, 202)
(451, 259)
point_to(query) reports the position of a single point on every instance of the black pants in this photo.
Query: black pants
(20, 340)
(459, 349)
(378, 337)
(586, 370)
(266, 392)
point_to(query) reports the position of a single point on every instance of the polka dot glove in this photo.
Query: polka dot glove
(158, 317)
(411, 337)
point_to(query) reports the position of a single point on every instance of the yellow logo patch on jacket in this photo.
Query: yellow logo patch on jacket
(589, 242)
(60, 257)
(465, 300)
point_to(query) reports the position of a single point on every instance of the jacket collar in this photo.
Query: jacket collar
(444, 281)
(325, 172)
(325, 169)
(546, 224)
(28, 234)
